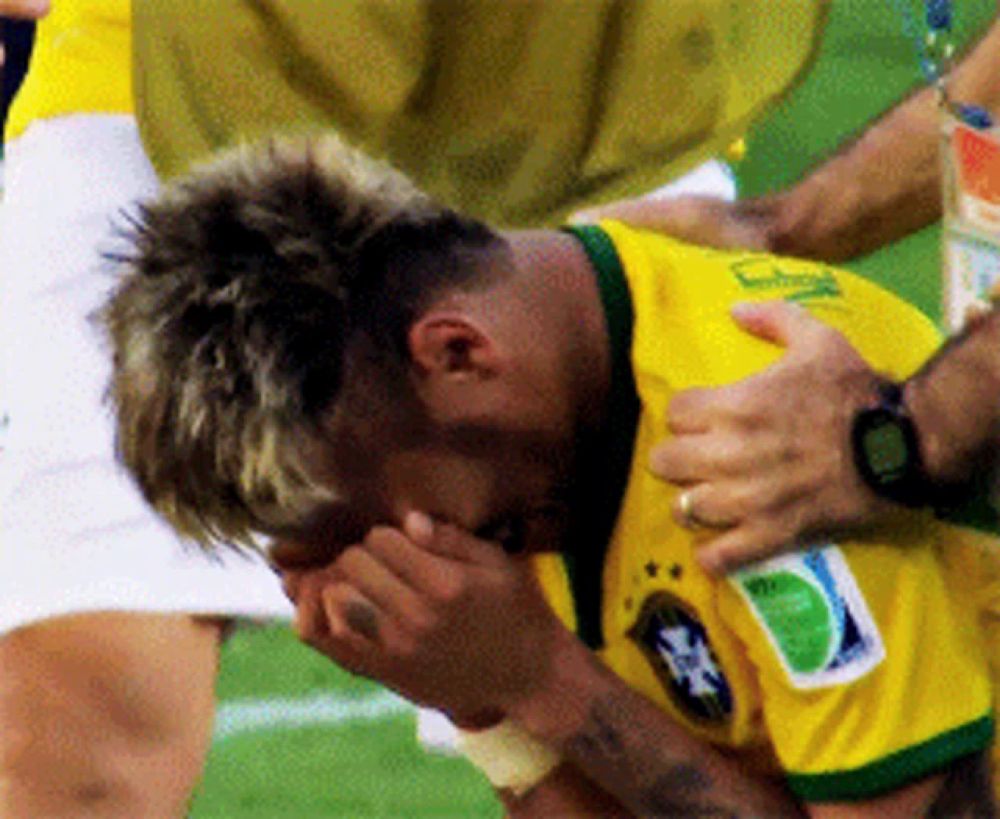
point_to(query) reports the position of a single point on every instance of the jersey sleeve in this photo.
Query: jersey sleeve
(841, 636)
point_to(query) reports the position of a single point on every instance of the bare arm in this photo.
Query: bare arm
(634, 750)
(564, 793)
(887, 183)
(955, 402)
(875, 190)
(625, 742)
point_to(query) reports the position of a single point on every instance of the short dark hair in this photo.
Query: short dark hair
(247, 283)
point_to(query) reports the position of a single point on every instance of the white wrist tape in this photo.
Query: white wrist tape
(509, 756)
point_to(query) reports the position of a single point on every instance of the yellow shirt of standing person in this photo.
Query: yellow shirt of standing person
(517, 112)
(850, 669)
(81, 63)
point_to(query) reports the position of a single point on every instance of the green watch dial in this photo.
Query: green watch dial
(886, 451)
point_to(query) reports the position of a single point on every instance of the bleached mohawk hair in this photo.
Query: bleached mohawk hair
(245, 284)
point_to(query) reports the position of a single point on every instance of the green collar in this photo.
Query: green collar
(604, 465)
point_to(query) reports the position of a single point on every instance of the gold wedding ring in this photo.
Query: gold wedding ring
(689, 520)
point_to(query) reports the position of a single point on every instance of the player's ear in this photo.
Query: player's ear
(452, 349)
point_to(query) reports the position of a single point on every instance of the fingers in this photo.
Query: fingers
(25, 9)
(361, 619)
(366, 570)
(331, 615)
(394, 569)
(674, 216)
(419, 528)
(337, 621)
(692, 458)
(737, 547)
(728, 504)
(354, 628)
(448, 541)
(307, 594)
(413, 564)
(694, 508)
(780, 322)
(691, 411)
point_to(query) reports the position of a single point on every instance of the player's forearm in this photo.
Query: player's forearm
(565, 793)
(887, 183)
(635, 751)
(955, 402)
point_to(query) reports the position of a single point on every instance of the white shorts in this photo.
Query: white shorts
(75, 535)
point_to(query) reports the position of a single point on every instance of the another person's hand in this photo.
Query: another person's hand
(24, 9)
(445, 619)
(766, 464)
(701, 220)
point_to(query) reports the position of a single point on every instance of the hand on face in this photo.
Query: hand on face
(766, 464)
(444, 618)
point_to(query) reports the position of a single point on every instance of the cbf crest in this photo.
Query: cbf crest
(676, 645)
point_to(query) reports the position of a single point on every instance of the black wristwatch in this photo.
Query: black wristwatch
(887, 449)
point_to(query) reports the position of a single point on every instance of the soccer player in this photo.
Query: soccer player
(99, 598)
(308, 347)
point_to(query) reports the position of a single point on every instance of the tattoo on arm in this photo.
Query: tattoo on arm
(677, 786)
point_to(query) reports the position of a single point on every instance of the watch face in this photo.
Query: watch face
(886, 449)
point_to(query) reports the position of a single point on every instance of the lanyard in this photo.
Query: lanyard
(971, 172)
(935, 52)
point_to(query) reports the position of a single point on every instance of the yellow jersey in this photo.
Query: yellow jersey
(81, 63)
(851, 669)
(515, 112)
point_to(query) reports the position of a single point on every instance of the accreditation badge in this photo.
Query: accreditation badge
(971, 224)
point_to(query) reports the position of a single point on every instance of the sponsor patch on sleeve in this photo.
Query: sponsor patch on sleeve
(814, 615)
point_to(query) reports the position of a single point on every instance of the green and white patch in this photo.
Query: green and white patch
(814, 615)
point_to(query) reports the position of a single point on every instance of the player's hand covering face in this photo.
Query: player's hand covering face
(510, 500)
(439, 615)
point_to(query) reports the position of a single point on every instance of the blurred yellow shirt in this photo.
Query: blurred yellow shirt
(516, 111)
(81, 63)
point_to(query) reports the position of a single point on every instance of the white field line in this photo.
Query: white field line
(282, 713)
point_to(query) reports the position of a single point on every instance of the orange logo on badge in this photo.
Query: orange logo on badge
(978, 155)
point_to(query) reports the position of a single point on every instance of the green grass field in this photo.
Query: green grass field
(359, 764)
